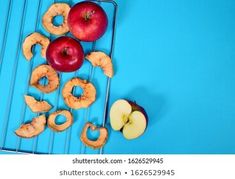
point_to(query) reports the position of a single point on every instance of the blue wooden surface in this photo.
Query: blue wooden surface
(175, 58)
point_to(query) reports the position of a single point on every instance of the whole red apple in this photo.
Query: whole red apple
(87, 21)
(65, 54)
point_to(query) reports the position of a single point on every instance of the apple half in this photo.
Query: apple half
(129, 118)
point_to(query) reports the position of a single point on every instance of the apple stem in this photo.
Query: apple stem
(65, 52)
(88, 15)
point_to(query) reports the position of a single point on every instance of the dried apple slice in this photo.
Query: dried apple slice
(35, 105)
(51, 75)
(33, 39)
(85, 100)
(91, 143)
(129, 118)
(60, 127)
(56, 9)
(103, 61)
(33, 128)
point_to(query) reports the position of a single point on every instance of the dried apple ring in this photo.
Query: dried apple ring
(33, 128)
(55, 10)
(91, 143)
(83, 101)
(33, 39)
(103, 61)
(48, 72)
(60, 127)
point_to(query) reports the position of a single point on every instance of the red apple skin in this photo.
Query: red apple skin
(87, 21)
(65, 54)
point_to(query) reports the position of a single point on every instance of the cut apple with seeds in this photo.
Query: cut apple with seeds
(128, 117)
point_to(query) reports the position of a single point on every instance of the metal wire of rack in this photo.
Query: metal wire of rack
(8, 111)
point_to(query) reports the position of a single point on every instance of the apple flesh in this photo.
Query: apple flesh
(128, 117)
(65, 54)
(87, 21)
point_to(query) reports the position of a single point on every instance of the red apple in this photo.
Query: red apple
(65, 54)
(87, 21)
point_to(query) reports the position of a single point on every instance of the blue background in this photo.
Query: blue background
(177, 60)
